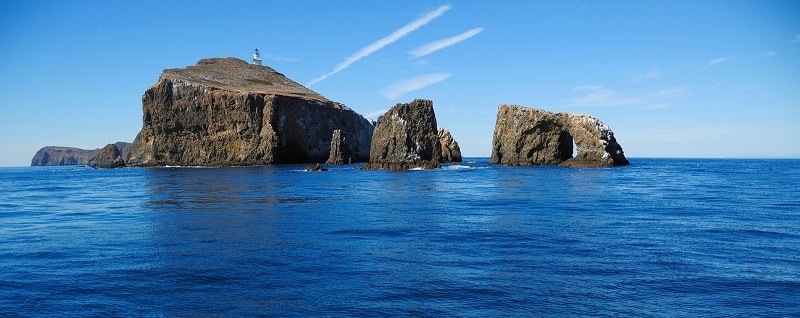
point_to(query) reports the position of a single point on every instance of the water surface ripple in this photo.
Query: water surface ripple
(662, 237)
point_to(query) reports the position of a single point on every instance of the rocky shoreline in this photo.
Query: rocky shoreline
(227, 112)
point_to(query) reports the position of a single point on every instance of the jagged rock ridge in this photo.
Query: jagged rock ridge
(528, 136)
(224, 111)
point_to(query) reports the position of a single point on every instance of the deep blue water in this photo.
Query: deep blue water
(662, 237)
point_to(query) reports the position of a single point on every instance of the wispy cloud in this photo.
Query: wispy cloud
(603, 96)
(600, 96)
(717, 61)
(797, 37)
(660, 106)
(768, 54)
(389, 39)
(443, 43)
(679, 91)
(399, 88)
(654, 73)
(281, 58)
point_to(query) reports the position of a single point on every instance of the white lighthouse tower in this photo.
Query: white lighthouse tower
(256, 58)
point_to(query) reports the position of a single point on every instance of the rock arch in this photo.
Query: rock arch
(528, 136)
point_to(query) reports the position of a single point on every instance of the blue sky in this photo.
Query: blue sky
(671, 78)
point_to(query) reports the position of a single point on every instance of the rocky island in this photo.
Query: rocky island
(407, 137)
(527, 137)
(66, 156)
(227, 112)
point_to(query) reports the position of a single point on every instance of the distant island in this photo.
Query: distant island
(227, 112)
(66, 156)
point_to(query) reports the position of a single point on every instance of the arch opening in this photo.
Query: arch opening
(566, 146)
(574, 150)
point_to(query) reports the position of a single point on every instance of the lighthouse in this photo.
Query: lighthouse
(256, 58)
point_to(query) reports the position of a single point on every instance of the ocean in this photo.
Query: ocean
(662, 238)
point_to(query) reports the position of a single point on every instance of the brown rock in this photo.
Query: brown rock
(108, 157)
(451, 152)
(340, 151)
(406, 137)
(527, 136)
(225, 111)
(316, 167)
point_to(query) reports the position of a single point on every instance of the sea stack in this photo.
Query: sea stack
(527, 136)
(406, 137)
(226, 112)
(340, 153)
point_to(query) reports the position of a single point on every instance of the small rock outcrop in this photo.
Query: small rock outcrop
(225, 111)
(67, 156)
(316, 167)
(527, 136)
(451, 152)
(340, 152)
(108, 157)
(406, 137)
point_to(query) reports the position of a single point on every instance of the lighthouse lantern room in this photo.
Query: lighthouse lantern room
(256, 58)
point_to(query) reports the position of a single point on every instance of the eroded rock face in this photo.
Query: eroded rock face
(451, 152)
(406, 137)
(528, 136)
(340, 152)
(108, 157)
(225, 111)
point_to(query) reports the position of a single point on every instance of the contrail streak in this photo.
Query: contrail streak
(389, 39)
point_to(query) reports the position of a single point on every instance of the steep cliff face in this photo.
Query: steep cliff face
(224, 111)
(527, 136)
(406, 137)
